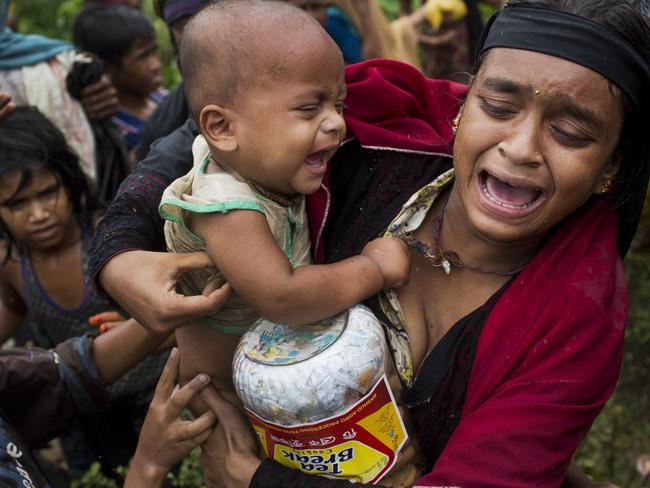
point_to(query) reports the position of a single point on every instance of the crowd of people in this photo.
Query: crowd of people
(475, 183)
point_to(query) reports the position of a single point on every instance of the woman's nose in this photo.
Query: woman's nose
(38, 211)
(522, 144)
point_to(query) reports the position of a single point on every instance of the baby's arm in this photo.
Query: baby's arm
(241, 245)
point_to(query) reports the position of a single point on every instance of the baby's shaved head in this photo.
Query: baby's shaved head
(231, 44)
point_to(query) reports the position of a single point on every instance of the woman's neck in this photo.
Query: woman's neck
(477, 251)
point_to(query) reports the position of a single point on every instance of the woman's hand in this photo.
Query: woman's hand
(6, 105)
(229, 455)
(165, 439)
(393, 258)
(144, 284)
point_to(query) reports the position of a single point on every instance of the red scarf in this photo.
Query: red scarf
(547, 361)
(391, 105)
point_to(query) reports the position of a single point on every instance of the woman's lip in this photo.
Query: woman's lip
(45, 232)
(501, 209)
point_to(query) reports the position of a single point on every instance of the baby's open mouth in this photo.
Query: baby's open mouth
(317, 158)
(508, 195)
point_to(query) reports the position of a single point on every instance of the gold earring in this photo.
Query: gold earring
(455, 122)
(606, 185)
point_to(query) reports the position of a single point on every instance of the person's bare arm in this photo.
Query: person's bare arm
(371, 16)
(118, 350)
(165, 439)
(241, 245)
(12, 311)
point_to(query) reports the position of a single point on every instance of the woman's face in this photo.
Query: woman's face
(535, 141)
(40, 215)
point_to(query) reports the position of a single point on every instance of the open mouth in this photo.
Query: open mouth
(509, 196)
(317, 158)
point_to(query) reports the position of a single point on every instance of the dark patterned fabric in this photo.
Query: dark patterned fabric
(49, 323)
(132, 220)
(437, 397)
(368, 189)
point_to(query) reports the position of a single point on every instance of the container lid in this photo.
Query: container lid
(278, 344)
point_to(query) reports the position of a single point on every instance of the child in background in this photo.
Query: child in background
(46, 228)
(124, 39)
(270, 119)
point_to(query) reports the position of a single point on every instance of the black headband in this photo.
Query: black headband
(575, 39)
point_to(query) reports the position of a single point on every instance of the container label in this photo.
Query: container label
(360, 444)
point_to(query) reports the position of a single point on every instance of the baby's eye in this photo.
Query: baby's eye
(309, 108)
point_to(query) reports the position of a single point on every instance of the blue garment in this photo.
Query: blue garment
(131, 126)
(18, 50)
(346, 37)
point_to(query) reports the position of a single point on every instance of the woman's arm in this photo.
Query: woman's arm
(131, 229)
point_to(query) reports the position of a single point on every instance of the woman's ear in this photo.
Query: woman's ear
(609, 173)
(217, 126)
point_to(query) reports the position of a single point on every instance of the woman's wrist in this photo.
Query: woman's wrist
(242, 472)
(143, 474)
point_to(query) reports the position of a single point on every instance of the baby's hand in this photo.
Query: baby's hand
(392, 257)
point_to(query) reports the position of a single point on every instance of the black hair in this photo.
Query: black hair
(630, 185)
(28, 140)
(110, 31)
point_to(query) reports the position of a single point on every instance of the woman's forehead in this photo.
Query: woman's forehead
(37, 177)
(530, 72)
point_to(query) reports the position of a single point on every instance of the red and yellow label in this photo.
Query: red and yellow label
(361, 444)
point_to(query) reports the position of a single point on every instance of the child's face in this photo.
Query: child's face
(139, 72)
(289, 127)
(40, 215)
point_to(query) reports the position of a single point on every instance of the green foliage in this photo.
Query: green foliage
(622, 432)
(55, 20)
(94, 478)
(188, 475)
(51, 19)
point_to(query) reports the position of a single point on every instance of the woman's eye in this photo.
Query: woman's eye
(496, 109)
(569, 138)
(340, 106)
(16, 205)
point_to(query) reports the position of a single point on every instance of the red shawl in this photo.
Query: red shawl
(417, 118)
(547, 361)
(550, 351)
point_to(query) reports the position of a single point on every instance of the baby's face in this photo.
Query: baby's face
(289, 126)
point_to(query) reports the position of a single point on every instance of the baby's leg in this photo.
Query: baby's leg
(203, 350)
